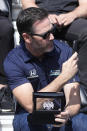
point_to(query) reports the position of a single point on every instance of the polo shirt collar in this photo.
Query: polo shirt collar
(56, 48)
(27, 56)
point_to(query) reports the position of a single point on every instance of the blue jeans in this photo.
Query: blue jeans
(79, 123)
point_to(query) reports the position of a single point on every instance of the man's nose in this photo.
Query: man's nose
(51, 37)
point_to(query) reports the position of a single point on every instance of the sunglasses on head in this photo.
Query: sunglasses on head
(46, 34)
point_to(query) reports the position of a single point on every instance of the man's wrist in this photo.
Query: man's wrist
(64, 77)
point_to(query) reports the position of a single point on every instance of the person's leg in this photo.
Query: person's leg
(79, 122)
(6, 44)
(66, 127)
(78, 31)
(20, 123)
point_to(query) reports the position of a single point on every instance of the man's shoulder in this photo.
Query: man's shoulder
(13, 56)
(63, 46)
(14, 53)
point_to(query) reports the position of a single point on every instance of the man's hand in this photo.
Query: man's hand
(66, 19)
(70, 67)
(63, 117)
(62, 19)
(53, 18)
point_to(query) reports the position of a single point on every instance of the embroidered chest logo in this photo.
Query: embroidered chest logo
(32, 74)
(54, 72)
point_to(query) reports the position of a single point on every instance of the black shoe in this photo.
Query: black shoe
(7, 103)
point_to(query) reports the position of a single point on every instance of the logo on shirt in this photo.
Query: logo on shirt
(54, 72)
(32, 73)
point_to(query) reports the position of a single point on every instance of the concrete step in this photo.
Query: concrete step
(6, 121)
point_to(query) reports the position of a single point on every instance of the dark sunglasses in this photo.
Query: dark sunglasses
(46, 34)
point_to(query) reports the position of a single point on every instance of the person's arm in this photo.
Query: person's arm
(72, 94)
(81, 10)
(73, 102)
(28, 3)
(67, 18)
(23, 93)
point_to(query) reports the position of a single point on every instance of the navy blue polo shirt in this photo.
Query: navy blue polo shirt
(21, 67)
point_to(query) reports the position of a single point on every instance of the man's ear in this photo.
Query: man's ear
(27, 37)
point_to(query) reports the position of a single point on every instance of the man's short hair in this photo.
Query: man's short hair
(28, 17)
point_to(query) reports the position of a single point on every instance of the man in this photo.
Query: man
(70, 15)
(35, 66)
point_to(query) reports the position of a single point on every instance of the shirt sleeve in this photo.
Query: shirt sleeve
(14, 73)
